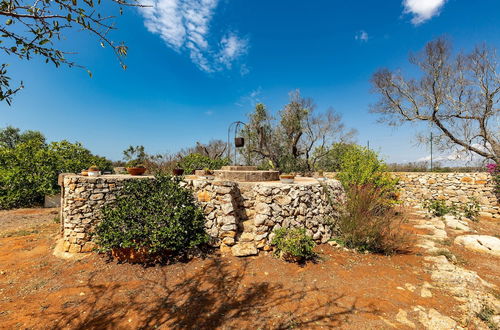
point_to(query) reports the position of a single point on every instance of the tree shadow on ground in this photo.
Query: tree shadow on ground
(217, 295)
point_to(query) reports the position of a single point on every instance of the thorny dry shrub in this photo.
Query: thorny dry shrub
(370, 222)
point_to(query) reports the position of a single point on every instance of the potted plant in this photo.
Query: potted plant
(93, 171)
(138, 169)
(287, 178)
(135, 157)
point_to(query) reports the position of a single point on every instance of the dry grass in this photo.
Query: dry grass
(370, 223)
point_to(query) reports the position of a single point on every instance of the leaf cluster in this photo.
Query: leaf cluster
(29, 166)
(196, 161)
(34, 28)
(153, 214)
(293, 244)
(361, 166)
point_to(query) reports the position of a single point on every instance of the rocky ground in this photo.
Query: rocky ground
(449, 280)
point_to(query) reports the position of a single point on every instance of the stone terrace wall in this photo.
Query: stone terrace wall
(455, 187)
(237, 213)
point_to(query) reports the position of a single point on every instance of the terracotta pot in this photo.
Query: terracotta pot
(130, 255)
(287, 178)
(136, 170)
(177, 171)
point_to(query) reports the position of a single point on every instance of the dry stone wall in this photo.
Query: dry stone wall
(239, 216)
(453, 187)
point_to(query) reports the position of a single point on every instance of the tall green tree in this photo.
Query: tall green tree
(29, 166)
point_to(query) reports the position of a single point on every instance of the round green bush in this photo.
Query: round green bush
(293, 244)
(156, 215)
(193, 162)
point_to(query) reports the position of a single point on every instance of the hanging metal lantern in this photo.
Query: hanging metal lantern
(239, 142)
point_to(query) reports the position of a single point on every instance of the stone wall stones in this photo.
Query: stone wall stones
(242, 215)
(453, 187)
(239, 215)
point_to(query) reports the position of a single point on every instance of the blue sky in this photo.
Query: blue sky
(195, 66)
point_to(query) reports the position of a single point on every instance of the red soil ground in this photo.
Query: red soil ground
(343, 289)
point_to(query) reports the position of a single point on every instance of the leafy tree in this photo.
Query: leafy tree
(361, 166)
(193, 162)
(332, 159)
(33, 29)
(73, 157)
(10, 137)
(29, 167)
(458, 96)
(27, 173)
(288, 142)
(135, 155)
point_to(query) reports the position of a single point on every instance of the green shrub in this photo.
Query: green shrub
(27, 173)
(361, 166)
(332, 159)
(366, 223)
(471, 209)
(293, 244)
(157, 215)
(437, 207)
(29, 167)
(194, 161)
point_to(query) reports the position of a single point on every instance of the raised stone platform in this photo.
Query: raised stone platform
(239, 215)
(245, 174)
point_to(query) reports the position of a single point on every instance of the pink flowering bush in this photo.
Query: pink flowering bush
(494, 170)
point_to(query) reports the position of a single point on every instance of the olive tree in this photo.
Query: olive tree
(33, 28)
(456, 94)
(289, 142)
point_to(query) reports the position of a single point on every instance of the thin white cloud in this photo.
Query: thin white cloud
(422, 10)
(250, 99)
(362, 36)
(232, 47)
(184, 25)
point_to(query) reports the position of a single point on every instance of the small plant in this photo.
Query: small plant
(486, 314)
(293, 245)
(471, 209)
(156, 216)
(437, 207)
(135, 156)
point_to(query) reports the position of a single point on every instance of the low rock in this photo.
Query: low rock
(244, 250)
(480, 243)
(435, 320)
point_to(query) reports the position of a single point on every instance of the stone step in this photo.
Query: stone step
(239, 168)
